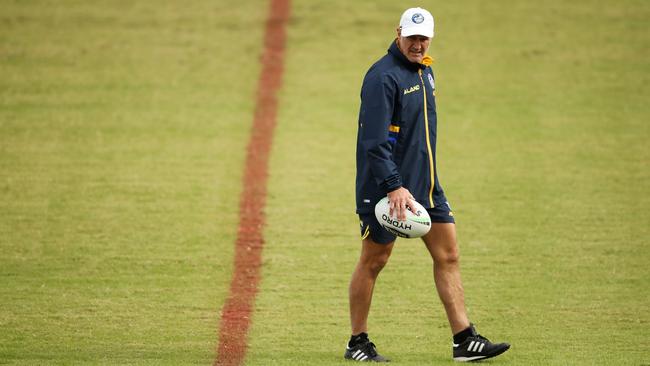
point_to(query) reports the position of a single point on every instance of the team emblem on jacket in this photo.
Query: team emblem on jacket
(433, 85)
(417, 18)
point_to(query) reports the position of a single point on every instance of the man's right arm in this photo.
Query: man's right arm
(378, 97)
(377, 105)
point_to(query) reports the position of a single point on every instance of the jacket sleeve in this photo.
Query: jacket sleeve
(378, 96)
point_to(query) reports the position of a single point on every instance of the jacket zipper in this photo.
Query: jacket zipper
(432, 168)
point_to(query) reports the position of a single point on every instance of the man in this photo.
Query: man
(396, 147)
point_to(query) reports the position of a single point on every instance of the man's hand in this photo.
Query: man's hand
(398, 200)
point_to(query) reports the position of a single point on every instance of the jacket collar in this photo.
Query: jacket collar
(395, 51)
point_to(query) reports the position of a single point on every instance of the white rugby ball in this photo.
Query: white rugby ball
(417, 221)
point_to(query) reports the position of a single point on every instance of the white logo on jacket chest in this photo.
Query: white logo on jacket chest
(412, 89)
(433, 85)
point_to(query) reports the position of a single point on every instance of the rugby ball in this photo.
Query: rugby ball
(417, 221)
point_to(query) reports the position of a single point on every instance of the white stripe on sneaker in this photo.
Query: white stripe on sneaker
(476, 346)
(469, 348)
(359, 356)
(364, 358)
(354, 355)
(481, 348)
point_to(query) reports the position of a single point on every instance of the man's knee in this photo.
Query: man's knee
(375, 256)
(376, 263)
(448, 257)
(441, 243)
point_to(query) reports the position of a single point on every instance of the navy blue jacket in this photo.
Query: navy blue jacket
(396, 142)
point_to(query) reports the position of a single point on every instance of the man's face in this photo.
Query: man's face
(413, 47)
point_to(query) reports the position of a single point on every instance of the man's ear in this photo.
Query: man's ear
(399, 31)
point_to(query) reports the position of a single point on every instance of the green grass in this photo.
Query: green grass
(123, 129)
(542, 152)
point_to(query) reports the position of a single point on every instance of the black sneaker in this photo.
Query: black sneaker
(477, 347)
(364, 352)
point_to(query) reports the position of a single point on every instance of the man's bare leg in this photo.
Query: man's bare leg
(373, 258)
(442, 245)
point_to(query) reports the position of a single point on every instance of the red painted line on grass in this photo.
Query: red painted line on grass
(238, 309)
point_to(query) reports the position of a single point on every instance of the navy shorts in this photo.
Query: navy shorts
(371, 227)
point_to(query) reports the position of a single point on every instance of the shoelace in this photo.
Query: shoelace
(369, 349)
(482, 338)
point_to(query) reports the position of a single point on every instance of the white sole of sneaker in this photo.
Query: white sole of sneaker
(467, 359)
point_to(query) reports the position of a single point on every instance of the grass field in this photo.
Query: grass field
(123, 130)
